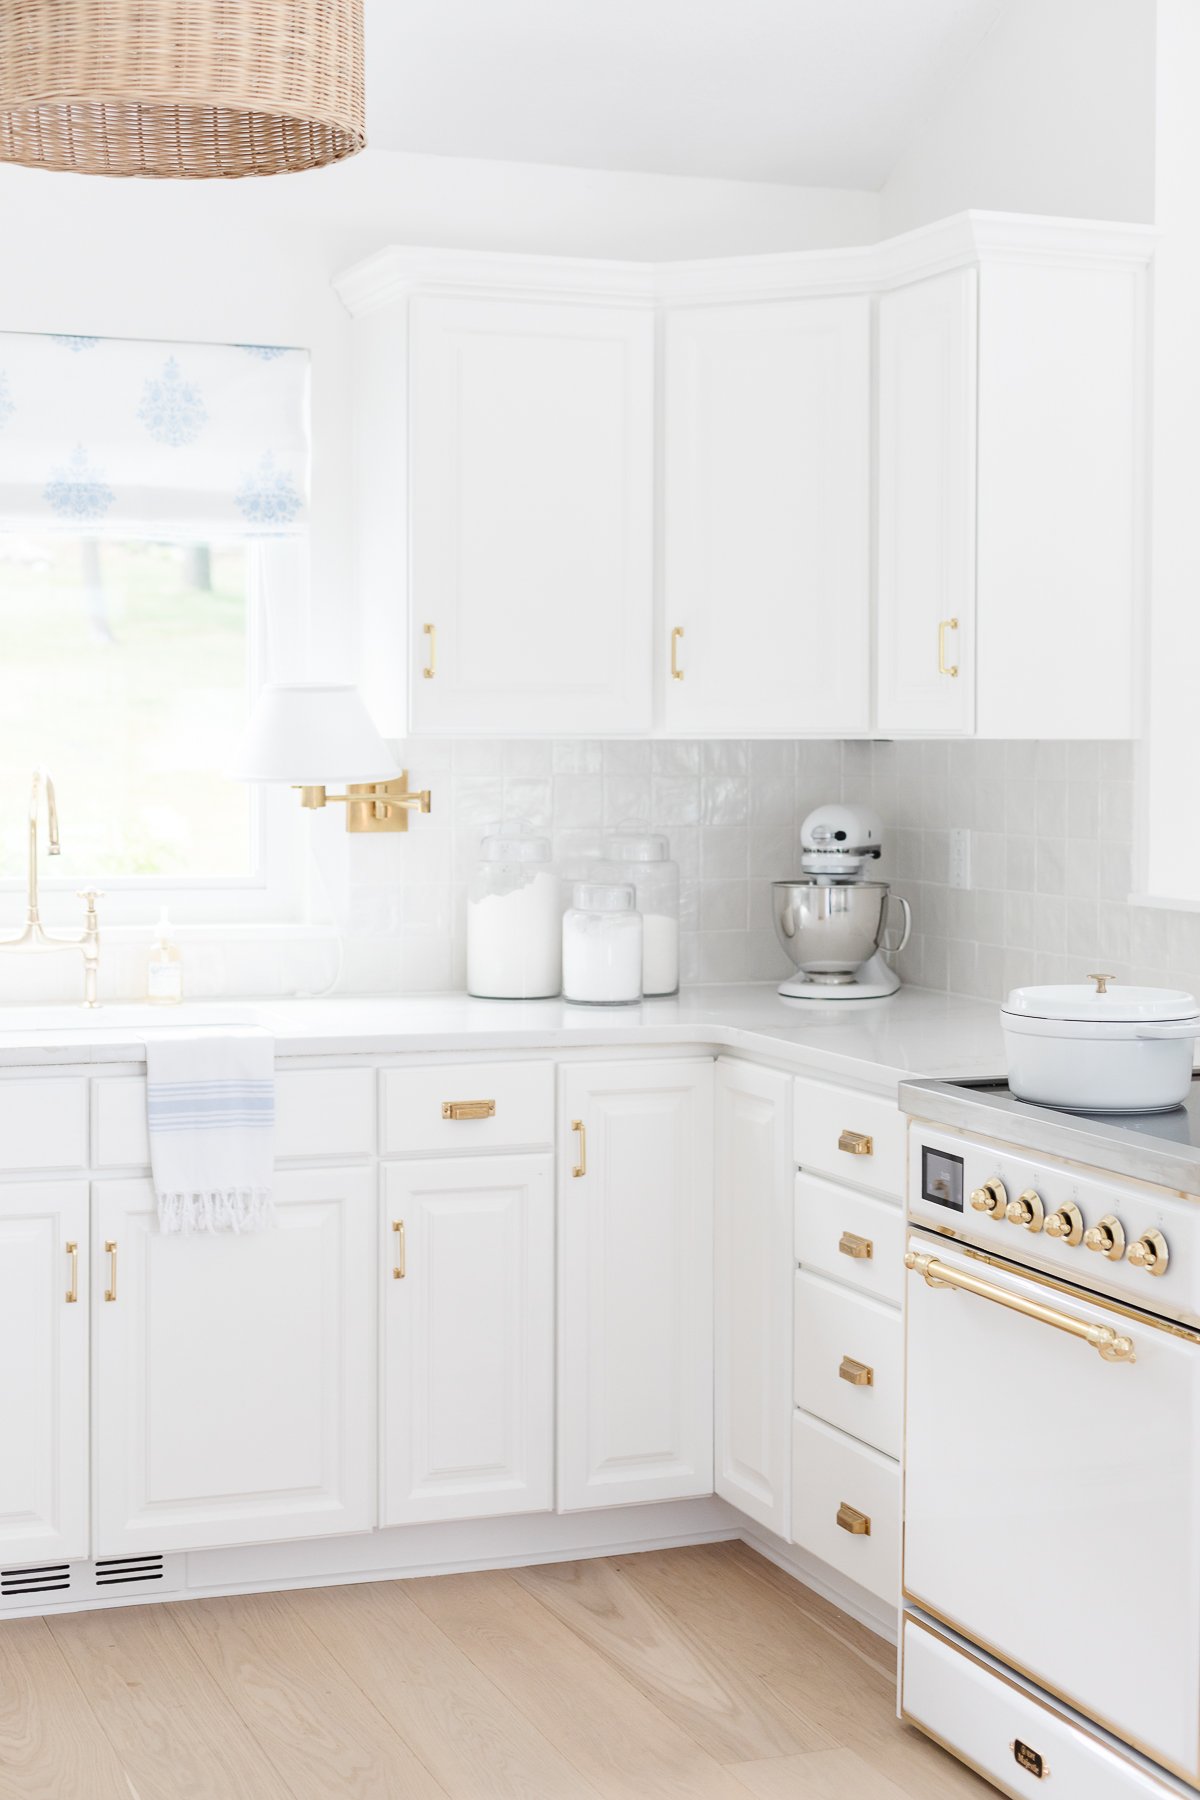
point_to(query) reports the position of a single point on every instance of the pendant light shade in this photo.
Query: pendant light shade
(180, 88)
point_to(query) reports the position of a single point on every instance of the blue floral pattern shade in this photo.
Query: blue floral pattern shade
(264, 352)
(268, 496)
(172, 410)
(8, 405)
(76, 490)
(73, 341)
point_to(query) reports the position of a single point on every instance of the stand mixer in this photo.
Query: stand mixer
(833, 923)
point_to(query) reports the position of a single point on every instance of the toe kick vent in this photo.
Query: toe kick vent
(42, 1586)
(49, 1578)
(114, 1569)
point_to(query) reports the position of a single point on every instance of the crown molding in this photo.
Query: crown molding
(393, 275)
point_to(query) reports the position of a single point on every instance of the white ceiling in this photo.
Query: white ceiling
(814, 92)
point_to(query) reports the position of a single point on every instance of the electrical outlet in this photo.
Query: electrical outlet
(960, 859)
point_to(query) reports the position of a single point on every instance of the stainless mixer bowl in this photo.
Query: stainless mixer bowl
(830, 928)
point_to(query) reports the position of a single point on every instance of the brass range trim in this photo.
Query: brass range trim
(1105, 1724)
(1111, 1345)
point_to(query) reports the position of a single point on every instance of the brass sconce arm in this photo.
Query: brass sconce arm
(372, 805)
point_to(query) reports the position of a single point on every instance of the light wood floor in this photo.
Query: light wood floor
(704, 1673)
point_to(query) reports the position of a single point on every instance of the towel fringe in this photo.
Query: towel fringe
(233, 1209)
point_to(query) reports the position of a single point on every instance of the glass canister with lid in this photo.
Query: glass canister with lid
(602, 945)
(514, 918)
(644, 860)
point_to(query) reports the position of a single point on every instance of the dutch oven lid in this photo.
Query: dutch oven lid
(1102, 1000)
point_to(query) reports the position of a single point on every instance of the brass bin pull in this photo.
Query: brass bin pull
(399, 1266)
(858, 1524)
(73, 1291)
(850, 1244)
(858, 1374)
(430, 669)
(676, 671)
(468, 1109)
(581, 1166)
(110, 1292)
(945, 668)
(1113, 1346)
(856, 1143)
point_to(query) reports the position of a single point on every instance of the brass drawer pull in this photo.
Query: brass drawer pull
(110, 1292)
(468, 1109)
(858, 1374)
(856, 1143)
(858, 1524)
(945, 668)
(676, 671)
(73, 1290)
(581, 1166)
(400, 1265)
(850, 1244)
(430, 669)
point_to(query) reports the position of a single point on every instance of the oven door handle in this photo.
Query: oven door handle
(1112, 1345)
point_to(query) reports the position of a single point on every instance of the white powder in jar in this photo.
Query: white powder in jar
(514, 941)
(602, 957)
(660, 953)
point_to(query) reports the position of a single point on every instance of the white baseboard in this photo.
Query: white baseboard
(830, 1583)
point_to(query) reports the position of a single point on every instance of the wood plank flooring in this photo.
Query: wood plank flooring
(702, 1673)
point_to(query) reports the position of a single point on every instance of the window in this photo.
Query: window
(153, 505)
(126, 672)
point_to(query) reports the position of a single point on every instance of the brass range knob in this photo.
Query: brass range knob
(1066, 1224)
(1026, 1210)
(991, 1198)
(1150, 1252)
(1107, 1238)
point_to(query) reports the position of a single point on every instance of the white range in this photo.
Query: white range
(1051, 1562)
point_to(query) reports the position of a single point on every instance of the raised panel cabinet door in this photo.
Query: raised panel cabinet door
(234, 1374)
(635, 1283)
(768, 528)
(754, 1270)
(927, 452)
(532, 559)
(467, 1300)
(43, 1372)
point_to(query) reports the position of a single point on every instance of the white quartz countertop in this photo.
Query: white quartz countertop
(871, 1042)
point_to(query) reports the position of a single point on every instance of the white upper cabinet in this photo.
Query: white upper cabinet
(926, 591)
(44, 1371)
(635, 1283)
(767, 443)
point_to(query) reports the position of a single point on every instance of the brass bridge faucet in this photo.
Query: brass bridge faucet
(35, 939)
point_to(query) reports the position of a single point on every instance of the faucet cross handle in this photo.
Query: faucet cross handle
(90, 896)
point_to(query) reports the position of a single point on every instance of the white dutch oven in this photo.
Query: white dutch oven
(1103, 1048)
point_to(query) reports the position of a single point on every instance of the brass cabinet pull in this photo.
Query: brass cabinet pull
(73, 1290)
(858, 1374)
(945, 668)
(676, 671)
(430, 669)
(1113, 1346)
(110, 1292)
(581, 1166)
(399, 1266)
(850, 1244)
(468, 1109)
(858, 1524)
(856, 1143)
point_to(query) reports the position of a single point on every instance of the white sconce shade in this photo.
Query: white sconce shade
(311, 734)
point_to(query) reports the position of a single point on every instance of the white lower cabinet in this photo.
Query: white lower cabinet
(467, 1310)
(233, 1375)
(754, 1268)
(847, 1505)
(44, 1371)
(635, 1283)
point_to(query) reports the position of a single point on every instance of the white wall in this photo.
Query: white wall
(1053, 113)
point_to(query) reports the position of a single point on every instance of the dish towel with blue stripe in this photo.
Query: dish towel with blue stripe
(211, 1108)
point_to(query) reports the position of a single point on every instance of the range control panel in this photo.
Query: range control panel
(1139, 1243)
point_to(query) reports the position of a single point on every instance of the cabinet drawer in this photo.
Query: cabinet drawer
(857, 1137)
(43, 1125)
(468, 1106)
(1007, 1734)
(850, 1237)
(847, 1364)
(318, 1112)
(834, 1477)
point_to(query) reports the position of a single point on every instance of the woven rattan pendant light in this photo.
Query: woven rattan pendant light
(180, 88)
